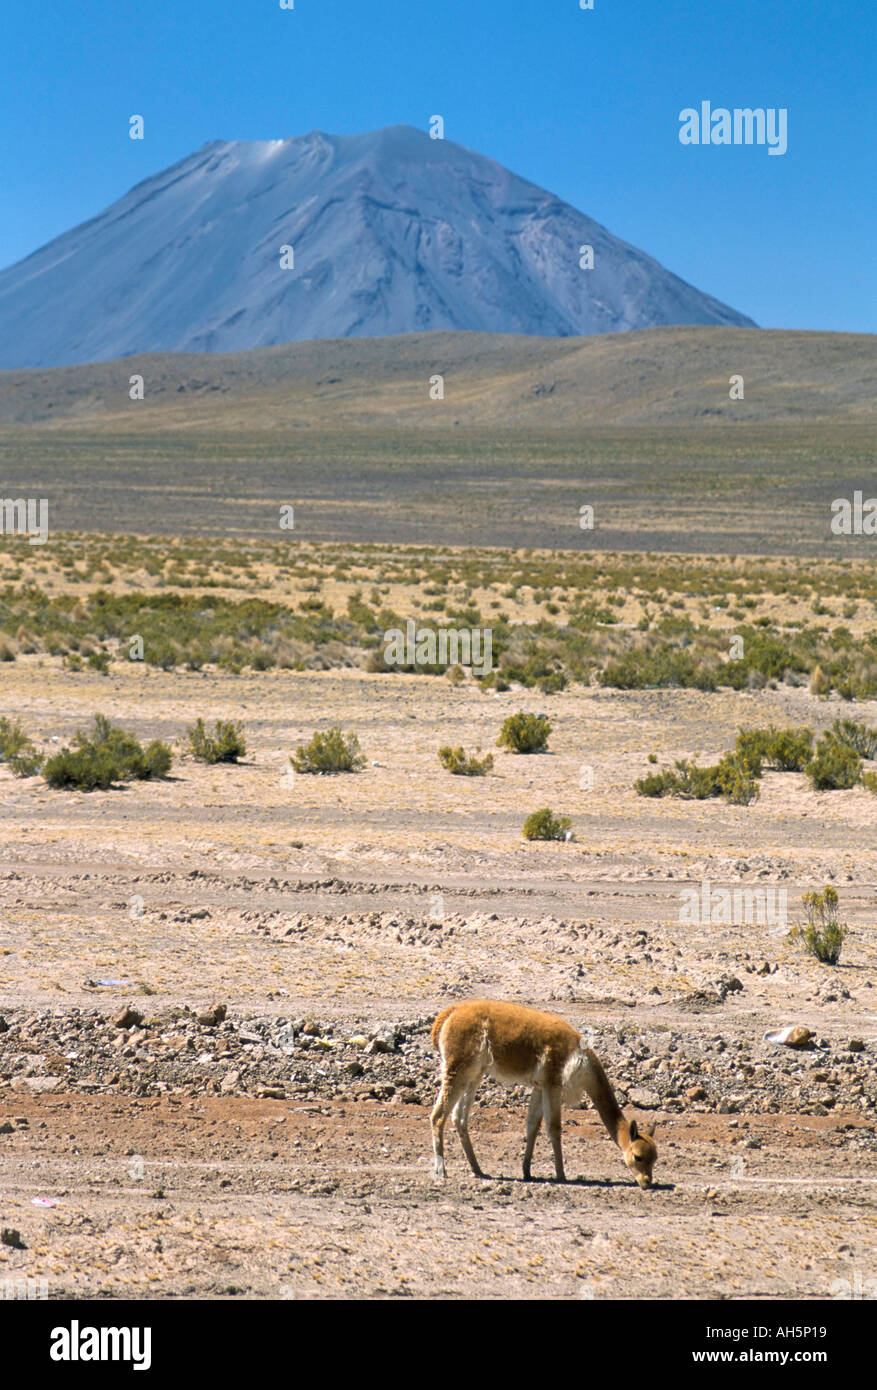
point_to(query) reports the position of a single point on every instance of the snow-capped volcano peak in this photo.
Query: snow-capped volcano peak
(251, 243)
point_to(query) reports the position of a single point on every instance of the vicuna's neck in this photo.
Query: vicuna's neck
(599, 1089)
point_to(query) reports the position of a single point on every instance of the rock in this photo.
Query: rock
(312, 1029)
(644, 1100)
(764, 969)
(728, 984)
(4, 1026)
(271, 1093)
(355, 1069)
(128, 1018)
(794, 1036)
(12, 1238)
(696, 1093)
(230, 1081)
(855, 1045)
(38, 1084)
(212, 1017)
(384, 1040)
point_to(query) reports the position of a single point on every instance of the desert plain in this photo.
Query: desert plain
(154, 1146)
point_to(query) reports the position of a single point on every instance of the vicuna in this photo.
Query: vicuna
(521, 1046)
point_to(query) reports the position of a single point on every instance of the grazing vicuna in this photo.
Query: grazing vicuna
(523, 1047)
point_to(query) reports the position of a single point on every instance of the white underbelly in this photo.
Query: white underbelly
(509, 1078)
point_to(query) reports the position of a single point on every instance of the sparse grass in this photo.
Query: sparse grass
(544, 825)
(106, 755)
(732, 777)
(329, 752)
(823, 935)
(524, 733)
(787, 750)
(857, 736)
(225, 745)
(462, 764)
(17, 751)
(676, 630)
(834, 766)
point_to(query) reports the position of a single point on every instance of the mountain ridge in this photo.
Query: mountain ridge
(650, 377)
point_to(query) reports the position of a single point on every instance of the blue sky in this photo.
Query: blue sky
(584, 103)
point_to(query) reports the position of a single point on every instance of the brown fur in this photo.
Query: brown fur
(519, 1045)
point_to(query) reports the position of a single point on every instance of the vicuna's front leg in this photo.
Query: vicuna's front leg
(534, 1120)
(551, 1104)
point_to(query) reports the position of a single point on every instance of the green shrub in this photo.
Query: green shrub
(823, 935)
(656, 784)
(106, 755)
(524, 733)
(544, 825)
(857, 736)
(80, 768)
(788, 750)
(665, 666)
(696, 783)
(17, 751)
(458, 762)
(329, 752)
(835, 765)
(157, 759)
(731, 778)
(225, 745)
(869, 780)
(100, 661)
(736, 780)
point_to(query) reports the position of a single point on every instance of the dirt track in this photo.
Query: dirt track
(267, 1199)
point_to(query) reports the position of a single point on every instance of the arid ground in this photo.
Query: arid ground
(285, 1151)
(152, 1147)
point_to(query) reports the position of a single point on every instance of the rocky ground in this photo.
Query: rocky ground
(152, 1144)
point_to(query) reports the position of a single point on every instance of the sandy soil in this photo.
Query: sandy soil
(357, 906)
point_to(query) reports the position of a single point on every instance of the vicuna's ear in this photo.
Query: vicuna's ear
(632, 1130)
(650, 1129)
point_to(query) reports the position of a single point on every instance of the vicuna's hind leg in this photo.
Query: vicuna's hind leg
(551, 1105)
(452, 1088)
(534, 1120)
(461, 1120)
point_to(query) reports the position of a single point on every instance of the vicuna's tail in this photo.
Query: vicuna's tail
(437, 1026)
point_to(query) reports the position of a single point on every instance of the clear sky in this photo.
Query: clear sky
(584, 103)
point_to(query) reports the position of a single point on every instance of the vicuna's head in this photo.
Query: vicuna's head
(640, 1152)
